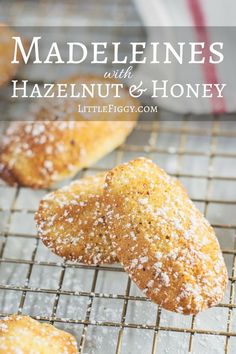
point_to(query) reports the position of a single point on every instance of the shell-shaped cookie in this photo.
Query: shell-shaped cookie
(165, 244)
(71, 222)
(7, 69)
(22, 334)
(62, 141)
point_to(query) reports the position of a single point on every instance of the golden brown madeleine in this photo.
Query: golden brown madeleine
(41, 152)
(7, 69)
(22, 334)
(165, 244)
(71, 222)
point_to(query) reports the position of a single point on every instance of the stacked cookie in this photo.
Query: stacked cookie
(140, 216)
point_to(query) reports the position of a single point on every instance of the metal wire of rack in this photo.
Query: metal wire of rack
(99, 304)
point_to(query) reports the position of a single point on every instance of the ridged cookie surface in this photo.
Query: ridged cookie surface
(23, 335)
(164, 242)
(63, 141)
(71, 222)
(7, 69)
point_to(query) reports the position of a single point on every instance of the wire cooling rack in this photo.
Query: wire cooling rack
(99, 304)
